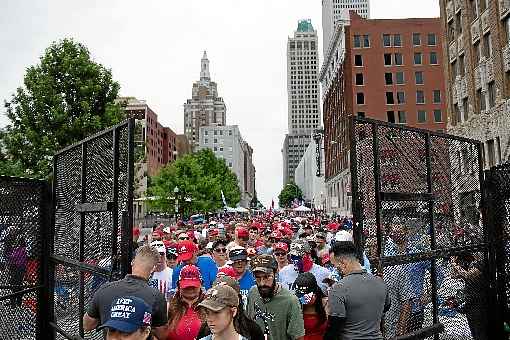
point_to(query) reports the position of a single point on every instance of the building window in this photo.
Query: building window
(359, 78)
(481, 99)
(388, 78)
(389, 98)
(458, 23)
(487, 45)
(366, 41)
(215, 132)
(206, 132)
(386, 40)
(215, 148)
(462, 65)
(431, 39)
(416, 39)
(400, 78)
(391, 116)
(422, 116)
(361, 114)
(221, 148)
(206, 141)
(436, 96)
(230, 132)
(465, 108)
(398, 59)
(474, 8)
(401, 117)
(433, 58)
(229, 164)
(438, 117)
(358, 60)
(357, 41)
(397, 41)
(360, 98)
(492, 94)
(417, 58)
(387, 59)
(401, 98)
(420, 97)
(491, 153)
(418, 76)
(478, 52)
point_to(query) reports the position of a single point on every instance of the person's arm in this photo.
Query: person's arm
(403, 320)
(160, 317)
(92, 316)
(335, 327)
(89, 323)
(295, 325)
(175, 276)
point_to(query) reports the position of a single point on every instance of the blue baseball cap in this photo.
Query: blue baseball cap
(128, 314)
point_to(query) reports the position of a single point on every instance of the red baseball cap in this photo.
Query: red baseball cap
(186, 249)
(227, 270)
(282, 246)
(189, 276)
(242, 232)
(213, 232)
(276, 234)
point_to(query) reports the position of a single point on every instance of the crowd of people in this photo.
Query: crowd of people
(265, 277)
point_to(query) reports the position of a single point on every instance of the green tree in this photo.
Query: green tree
(199, 176)
(289, 192)
(65, 98)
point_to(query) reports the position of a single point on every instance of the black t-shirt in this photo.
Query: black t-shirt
(131, 285)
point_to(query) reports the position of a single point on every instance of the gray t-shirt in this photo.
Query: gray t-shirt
(361, 299)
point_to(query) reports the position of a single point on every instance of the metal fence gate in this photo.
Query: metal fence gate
(91, 239)
(416, 198)
(24, 218)
(497, 190)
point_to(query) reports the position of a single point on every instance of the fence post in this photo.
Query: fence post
(45, 297)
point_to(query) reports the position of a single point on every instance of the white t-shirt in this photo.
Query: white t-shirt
(288, 275)
(162, 281)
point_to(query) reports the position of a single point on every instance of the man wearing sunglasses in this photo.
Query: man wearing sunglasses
(239, 258)
(219, 252)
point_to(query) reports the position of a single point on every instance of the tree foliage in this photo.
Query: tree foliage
(64, 98)
(199, 176)
(289, 192)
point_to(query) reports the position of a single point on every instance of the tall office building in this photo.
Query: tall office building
(477, 72)
(335, 12)
(304, 113)
(205, 106)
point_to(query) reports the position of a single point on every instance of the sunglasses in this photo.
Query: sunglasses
(183, 238)
(280, 254)
(220, 250)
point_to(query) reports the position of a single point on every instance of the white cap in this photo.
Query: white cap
(159, 246)
(166, 230)
(209, 245)
(343, 235)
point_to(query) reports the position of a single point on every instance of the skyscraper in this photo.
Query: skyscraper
(205, 106)
(303, 95)
(335, 12)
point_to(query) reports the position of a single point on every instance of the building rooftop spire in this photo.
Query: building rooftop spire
(204, 72)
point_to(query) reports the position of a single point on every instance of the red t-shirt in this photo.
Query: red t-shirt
(314, 329)
(187, 328)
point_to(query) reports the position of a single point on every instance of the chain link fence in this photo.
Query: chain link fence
(24, 220)
(416, 198)
(92, 190)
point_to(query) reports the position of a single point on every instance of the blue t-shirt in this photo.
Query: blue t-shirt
(246, 282)
(208, 270)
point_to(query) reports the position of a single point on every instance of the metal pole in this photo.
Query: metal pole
(114, 260)
(377, 184)
(81, 252)
(130, 193)
(433, 269)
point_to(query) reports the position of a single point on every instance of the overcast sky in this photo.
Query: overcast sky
(154, 48)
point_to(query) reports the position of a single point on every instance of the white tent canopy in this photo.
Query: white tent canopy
(302, 208)
(242, 210)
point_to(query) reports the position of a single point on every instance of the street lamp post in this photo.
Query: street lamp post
(176, 193)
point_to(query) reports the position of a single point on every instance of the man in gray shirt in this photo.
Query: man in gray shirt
(357, 302)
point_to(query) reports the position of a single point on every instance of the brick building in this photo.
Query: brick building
(385, 69)
(155, 147)
(477, 69)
